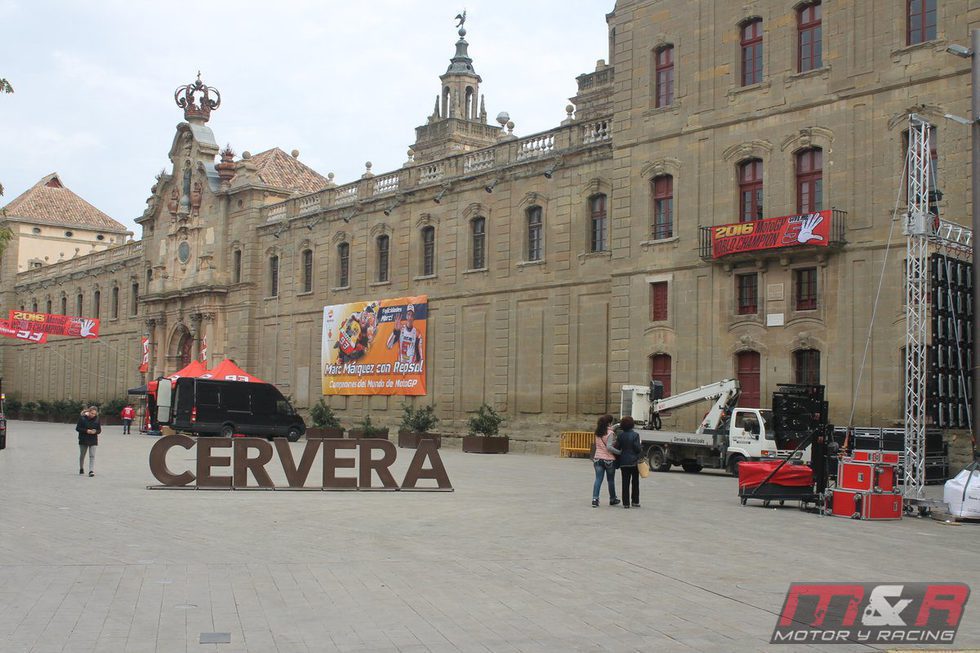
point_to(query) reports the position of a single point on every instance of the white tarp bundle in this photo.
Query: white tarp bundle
(965, 505)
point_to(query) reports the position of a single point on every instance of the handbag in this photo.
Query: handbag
(644, 468)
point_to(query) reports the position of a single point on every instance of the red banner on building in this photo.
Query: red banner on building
(54, 325)
(145, 360)
(811, 229)
(8, 332)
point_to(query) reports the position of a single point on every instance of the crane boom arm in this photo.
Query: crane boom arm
(725, 393)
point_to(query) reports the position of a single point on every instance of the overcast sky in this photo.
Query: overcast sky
(343, 82)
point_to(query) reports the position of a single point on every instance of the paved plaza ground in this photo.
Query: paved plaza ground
(514, 560)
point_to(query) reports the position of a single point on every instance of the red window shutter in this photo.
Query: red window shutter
(658, 301)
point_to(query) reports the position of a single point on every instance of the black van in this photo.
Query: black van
(208, 407)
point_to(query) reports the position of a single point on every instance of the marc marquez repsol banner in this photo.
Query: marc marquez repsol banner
(812, 229)
(54, 325)
(375, 347)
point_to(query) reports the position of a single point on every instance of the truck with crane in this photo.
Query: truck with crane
(726, 436)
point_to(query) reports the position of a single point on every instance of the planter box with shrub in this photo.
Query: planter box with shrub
(483, 437)
(416, 424)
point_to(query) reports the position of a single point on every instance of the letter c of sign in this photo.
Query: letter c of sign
(158, 460)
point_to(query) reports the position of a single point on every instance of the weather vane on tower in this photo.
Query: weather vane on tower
(461, 18)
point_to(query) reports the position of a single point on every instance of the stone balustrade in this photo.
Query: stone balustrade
(94, 261)
(509, 151)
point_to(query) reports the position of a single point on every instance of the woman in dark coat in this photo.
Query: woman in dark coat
(88, 428)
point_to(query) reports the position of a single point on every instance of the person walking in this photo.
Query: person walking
(88, 428)
(629, 456)
(604, 460)
(127, 415)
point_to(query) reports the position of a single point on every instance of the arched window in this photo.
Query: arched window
(115, 302)
(535, 235)
(809, 180)
(665, 76)
(97, 304)
(64, 304)
(748, 370)
(273, 276)
(236, 266)
(470, 109)
(751, 44)
(663, 207)
(79, 304)
(149, 276)
(343, 265)
(307, 272)
(597, 223)
(809, 37)
(48, 307)
(750, 190)
(660, 370)
(446, 102)
(428, 251)
(478, 243)
(921, 16)
(134, 298)
(383, 247)
(33, 306)
(806, 366)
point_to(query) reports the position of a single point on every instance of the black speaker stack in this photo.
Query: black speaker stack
(949, 382)
(798, 410)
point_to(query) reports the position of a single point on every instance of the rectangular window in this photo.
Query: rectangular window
(307, 270)
(752, 52)
(658, 301)
(79, 304)
(747, 291)
(807, 364)
(534, 236)
(810, 38)
(750, 190)
(134, 299)
(383, 250)
(115, 302)
(665, 76)
(236, 266)
(343, 265)
(597, 210)
(809, 181)
(479, 244)
(806, 289)
(663, 207)
(274, 276)
(96, 304)
(428, 251)
(921, 21)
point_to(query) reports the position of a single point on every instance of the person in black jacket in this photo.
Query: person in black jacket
(629, 446)
(88, 428)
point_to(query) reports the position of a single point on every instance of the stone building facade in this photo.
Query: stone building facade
(562, 265)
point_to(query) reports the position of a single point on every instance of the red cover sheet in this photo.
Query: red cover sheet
(752, 474)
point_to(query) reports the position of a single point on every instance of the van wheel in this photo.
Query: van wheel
(691, 468)
(293, 434)
(657, 459)
(733, 464)
(227, 430)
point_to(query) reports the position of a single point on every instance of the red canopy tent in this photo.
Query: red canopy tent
(193, 370)
(226, 370)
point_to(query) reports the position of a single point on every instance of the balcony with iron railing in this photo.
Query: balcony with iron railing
(750, 240)
(569, 138)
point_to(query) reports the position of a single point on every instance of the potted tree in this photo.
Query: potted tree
(416, 424)
(483, 437)
(325, 423)
(366, 429)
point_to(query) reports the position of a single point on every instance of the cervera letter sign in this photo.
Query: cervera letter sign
(375, 347)
(223, 463)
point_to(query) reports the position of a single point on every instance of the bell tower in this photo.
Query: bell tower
(459, 120)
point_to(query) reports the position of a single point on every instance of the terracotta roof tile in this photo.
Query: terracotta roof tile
(279, 170)
(50, 202)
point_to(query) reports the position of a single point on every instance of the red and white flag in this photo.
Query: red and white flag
(145, 361)
(204, 349)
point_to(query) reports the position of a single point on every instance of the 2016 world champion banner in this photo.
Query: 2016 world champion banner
(375, 347)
